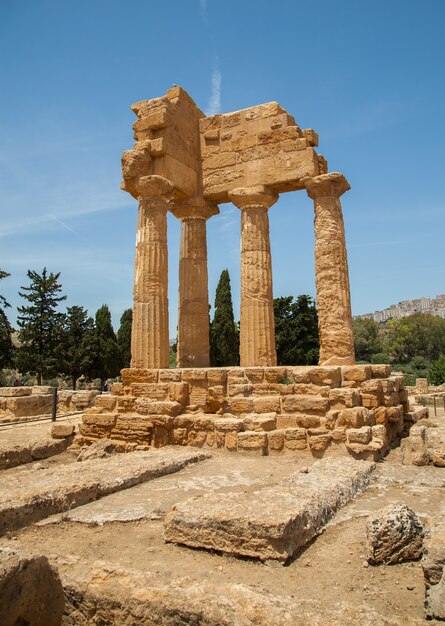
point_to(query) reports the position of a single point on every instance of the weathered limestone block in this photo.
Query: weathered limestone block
(250, 441)
(295, 439)
(264, 422)
(117, 389)
(359, 435)
(60, 431)
(126, 404)
(147, 407)
(178, 392)
(238, 406)
(356, 373)
(138, 375)
(30, 591)
(310, 390)
(318, 440)
(15, 392)
(380, 371)
(277, 521)
(239, 389)
(344, 398)
(285, 420)
(352, 418)
(216, 376)
(331, 270)
(324, 375)
(395, 535)
(267, 404)
(308, 421)
(275, 441)
(305, 404)
(228, 424)
(424, 445)
(154, 391)
(170, 376)
(433, 561)
(106, 402)
(101, 449)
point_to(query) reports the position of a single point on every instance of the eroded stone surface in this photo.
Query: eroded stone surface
(30, 592)
(129, 598)
(24, 500)
(277, 520)
(395, 534)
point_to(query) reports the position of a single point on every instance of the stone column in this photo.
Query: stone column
(193, 306)
(257, 326)
(149, 336)
(331, 270)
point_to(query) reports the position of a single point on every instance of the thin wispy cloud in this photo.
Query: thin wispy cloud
(214, 106)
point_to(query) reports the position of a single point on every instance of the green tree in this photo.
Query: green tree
(436, 374)
(6, 347)
(367, 340)
(124, 337)
(40, 325)
(77, 347)
(416, 335)
(107, 360)
(296, 330)
(224, 335)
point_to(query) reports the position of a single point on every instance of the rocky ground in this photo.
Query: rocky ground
(116, 567)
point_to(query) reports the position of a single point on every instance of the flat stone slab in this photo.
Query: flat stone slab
(28, 495)
(29, 451)
(154, 500)
(120, 596)
(275, 521)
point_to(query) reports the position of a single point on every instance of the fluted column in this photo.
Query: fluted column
(149, 336)
(257, 326)
(331, 270)
(193, 348)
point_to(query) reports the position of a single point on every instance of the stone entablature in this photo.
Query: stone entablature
(355, 410)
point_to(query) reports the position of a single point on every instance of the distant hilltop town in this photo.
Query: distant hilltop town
(425, 304)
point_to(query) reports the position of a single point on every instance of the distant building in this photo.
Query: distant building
(425, 304)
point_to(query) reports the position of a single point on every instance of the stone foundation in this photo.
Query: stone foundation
(357, 410)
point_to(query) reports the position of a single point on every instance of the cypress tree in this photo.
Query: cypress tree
(40, 325)
(107, 361)
(224, 336)
(77, 347)
(124, 337)
(296, 331)
(6, 347)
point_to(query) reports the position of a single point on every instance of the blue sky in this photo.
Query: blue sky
(368, 76)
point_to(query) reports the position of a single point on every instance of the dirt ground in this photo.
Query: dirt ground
(331, 569)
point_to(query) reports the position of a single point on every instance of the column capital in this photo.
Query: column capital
(253, 197)
(193, 208)
(148, 188)
(333, 185)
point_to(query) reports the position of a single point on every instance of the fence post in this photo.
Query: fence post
(54, 406)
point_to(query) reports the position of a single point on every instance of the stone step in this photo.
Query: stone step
(29, 495)
(276, 521)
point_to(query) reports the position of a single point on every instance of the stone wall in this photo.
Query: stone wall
(17, 403)
(346, 409)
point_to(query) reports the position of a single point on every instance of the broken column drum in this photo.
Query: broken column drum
(188, 163)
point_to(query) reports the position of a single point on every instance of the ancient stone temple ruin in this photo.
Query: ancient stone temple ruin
(188, 163)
